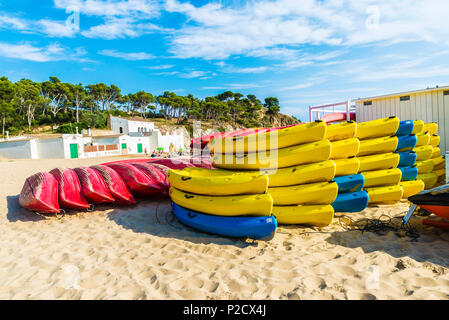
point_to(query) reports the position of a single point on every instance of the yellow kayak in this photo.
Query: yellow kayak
(429, 179)
(425, 166)
(387, 194)
(423, 152)
(318, 215)
(441, 173)
(312, 193)
(439, 163)
(306, 173)
(346, 167)
(377, 146)
(422, 139)
(436, 152)
(252, 205)
(277, 139)
(379, 162)
(286, 157)
(341, 131)
(217, 182)
(431, 127)
(377, 128)
(411, 188)
(418, 127)
(434, 140)
(345, 148)
(382, 177)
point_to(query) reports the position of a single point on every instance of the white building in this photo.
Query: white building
(62, 146)
(127, 126)
(149, 136)
(428, 105)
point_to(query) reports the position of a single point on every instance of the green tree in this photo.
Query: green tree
(142, 101)
(7, 92)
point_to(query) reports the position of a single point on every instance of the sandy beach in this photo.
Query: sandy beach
(144, 253)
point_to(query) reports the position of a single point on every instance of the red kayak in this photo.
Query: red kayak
(116, 186)
(137, 181)
(93, 186)
(40, 193)
(70, 194)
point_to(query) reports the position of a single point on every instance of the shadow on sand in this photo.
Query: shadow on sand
(156, 218)
(431, 246)
(17, 213)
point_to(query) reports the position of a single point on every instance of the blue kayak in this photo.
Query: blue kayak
(405, 128)
(351, 202)
(259, 228)
(352, 183)
(409, 173)
(406, 143)
(407, 158)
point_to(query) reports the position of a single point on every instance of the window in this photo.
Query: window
(367, 103)
(446, 92)
(404, 98)
(121, 129)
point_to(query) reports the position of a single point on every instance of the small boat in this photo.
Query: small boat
(258, 228)
(405, 128)
(409, 173)
(407, 158)
(406, 143)
(351, 202)
(351, 183)
(435, 201)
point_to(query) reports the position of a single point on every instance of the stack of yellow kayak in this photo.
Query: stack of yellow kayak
(378, 160)
(296, 161)
(345, 147)
(436, 176)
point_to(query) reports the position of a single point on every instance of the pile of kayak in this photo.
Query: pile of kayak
(119, 182)
(256, 179)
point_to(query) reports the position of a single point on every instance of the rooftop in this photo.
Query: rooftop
(437, 88)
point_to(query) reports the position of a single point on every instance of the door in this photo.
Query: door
(124, 146)
(139, 148)
(74, 151)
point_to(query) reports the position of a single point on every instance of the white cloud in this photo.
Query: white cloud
(132, 56)
(160, 67)
(194, 74)
(299, 86)
(56, 28)
(114, 28)
(52, 52)
(234, 86)
(12, 22)
(275, 28)
(110, 7)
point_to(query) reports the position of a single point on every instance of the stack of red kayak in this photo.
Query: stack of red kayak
(119, 182)
(201, 142)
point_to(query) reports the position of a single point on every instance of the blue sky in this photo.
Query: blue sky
(305, 52)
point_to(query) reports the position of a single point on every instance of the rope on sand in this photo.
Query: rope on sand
(379, 225)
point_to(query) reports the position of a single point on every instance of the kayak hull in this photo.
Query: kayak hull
(257, 228)
(351, 202)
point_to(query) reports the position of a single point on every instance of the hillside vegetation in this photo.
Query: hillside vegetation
(54, 106)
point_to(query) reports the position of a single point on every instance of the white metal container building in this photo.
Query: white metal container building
(428, 105)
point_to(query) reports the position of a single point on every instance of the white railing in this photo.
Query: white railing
(317, 110)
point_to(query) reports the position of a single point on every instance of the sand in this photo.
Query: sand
(144, 253)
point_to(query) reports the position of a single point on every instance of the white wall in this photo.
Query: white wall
(164, 141)
(16, 149)
(430, 106)
(130, 126)
(50, 148)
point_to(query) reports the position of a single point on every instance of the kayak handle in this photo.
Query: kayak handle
(188, 196)
(191, 215)
(185, 178)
